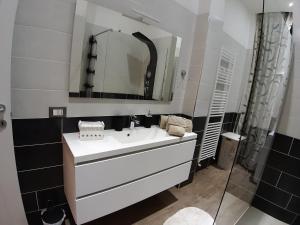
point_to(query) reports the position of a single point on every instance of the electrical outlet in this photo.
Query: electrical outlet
(57, 112)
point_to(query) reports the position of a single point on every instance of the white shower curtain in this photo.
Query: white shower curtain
(266, 88)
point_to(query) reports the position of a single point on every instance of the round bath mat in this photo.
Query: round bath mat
(190, 216)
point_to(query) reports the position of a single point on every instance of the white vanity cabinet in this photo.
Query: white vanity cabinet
(112, 179)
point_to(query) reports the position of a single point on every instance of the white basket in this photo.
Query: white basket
(91, 130)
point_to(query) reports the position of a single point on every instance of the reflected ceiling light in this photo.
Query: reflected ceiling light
(291, 4)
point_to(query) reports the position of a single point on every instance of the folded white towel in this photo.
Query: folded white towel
(188, 125)
(163, 121)
(176, 131)
(177, 121)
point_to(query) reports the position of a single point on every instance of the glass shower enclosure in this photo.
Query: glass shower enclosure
(259, 114)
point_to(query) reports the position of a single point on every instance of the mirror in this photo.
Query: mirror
(121, 56)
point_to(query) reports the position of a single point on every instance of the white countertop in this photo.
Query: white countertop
(117, 143)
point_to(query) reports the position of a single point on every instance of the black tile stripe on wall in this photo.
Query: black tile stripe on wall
(279, 191)
(38, 152)
(199, 127)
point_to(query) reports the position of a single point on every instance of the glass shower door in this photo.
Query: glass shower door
(260, 112)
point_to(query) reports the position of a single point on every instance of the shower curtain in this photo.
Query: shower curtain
(266, 89)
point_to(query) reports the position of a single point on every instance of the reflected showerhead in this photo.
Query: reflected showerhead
(102, 32)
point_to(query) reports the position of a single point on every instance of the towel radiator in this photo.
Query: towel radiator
(218, 105)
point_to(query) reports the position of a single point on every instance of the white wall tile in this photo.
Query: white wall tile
(290, 126)
(41, 43)
(30, 103)
(289, 123)
(297, 50)
(205, 92)
(31, 73)
(197, 57)
(190, 97)
(195, 74)
(54, 14)
(201, 108)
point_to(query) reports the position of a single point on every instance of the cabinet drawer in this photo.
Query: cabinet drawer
(101, 175)
(101, 204)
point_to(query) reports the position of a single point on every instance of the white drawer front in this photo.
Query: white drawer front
(97, 176)
(98, 205)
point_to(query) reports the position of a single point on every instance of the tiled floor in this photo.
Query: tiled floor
(205, 193)
(254, 216)
(231, 210)
(240, 184)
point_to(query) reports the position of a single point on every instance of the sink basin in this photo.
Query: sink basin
(120, 142)
(140, 134)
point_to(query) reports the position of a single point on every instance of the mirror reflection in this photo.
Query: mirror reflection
(117, 55)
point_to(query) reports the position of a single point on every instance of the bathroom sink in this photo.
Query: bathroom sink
(121, 142)
(140, 134)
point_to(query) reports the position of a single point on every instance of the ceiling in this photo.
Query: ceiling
(270, 5)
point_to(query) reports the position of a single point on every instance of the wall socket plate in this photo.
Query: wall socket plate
(57, 112)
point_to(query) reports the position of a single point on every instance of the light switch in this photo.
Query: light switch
(57, 111)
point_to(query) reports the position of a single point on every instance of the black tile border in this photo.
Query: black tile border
(289, 184)
(30, 202)
(295, 149)
(271, 175)
(38, 156)
(273, 210)
(107, 95)
(282, 176)
(282, 143)
(294, 204)
(44, 178)
(38, 151)
(36, 131)
(285, 163)
(56, 195)
(273, 194)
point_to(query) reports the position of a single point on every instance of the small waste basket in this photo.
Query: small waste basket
(53, 216)
(228, 149)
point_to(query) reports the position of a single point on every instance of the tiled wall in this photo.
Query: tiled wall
(290, 121)
(38, 152)
(210, 35)
(278, 193)
(196, 64)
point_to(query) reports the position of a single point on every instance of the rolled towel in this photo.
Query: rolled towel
(177, 121)
(188, 125)
(163, 121)
(176, 131)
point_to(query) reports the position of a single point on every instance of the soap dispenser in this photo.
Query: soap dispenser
(148, 120)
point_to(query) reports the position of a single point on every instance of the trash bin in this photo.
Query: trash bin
(53, 216)
(228, 150)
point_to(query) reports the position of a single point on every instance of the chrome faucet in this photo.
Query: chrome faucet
(133, 121)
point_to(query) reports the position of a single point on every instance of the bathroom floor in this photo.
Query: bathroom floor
(205, 193)
(231, 210)
(254, 216)
(240, 184)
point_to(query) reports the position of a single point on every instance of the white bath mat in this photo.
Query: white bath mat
(190, 216)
